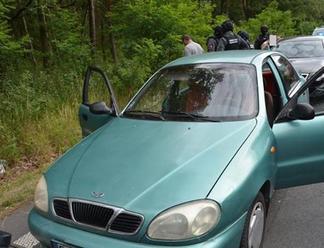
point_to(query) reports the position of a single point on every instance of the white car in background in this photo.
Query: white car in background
(318, 31)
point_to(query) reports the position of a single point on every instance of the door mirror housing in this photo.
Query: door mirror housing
(100, 108)
(301, 111)
(5, 239)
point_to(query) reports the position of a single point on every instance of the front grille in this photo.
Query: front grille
(126, 223)
(61, 208)
(98, 216)
(93, 215)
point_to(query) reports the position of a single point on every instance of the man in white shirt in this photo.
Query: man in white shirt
(191, 47)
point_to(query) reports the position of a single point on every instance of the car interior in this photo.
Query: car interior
(272, 94)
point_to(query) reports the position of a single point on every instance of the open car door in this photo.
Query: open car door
(299, 132)
(99, 103)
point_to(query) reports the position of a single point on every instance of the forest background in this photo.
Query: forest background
(46, 45)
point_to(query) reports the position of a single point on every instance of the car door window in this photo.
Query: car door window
(288, 74)
(272, 93)
(316, 95)
(98, 90)
(99, 103)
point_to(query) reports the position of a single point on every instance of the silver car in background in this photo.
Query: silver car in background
(306, 53)
(318, 31)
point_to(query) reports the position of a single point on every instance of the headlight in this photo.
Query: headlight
(41, 196)
(185, 221)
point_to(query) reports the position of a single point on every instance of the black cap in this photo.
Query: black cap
(264, 29)
(218, 31)
(228, 26)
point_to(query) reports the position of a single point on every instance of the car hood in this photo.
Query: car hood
(140, 164)
(307, 65)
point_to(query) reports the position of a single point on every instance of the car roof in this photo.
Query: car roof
(234, 56)
(303, 38)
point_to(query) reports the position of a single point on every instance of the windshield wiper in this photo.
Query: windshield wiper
(143, 113)
(190, 115)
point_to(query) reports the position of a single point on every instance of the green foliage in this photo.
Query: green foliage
(163, 23)
(279, 22)
(7, 45)
(220, 19)
(154, 36)
(33, 112)
(145, 56)
(68, 40)
(38, 97)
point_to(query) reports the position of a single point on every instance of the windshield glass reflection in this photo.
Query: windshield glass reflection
(221, 92)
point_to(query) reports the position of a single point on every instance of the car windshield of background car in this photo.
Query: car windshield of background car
(319, 31)
(223, 92)
(302, 48)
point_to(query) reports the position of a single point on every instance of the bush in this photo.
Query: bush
(280, 23)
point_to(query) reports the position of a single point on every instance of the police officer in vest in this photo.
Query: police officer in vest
(212, 41)
(230, 40)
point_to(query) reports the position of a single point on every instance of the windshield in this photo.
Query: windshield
(212, 92)
(301, 48)
(319, 31)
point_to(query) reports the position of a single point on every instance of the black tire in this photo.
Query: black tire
(245, 236)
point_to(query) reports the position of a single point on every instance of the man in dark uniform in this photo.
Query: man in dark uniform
(212, 41)
(230, 40)
(245, 36)
(263, 37)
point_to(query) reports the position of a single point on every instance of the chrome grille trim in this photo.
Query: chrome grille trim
(116, 212)
(129, 223)
(54, 212)
(61, 210)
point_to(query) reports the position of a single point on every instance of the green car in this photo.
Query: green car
(191, 161)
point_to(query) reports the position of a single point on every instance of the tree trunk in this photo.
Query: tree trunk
(30, 41)
(111, 35)
(244, 8)
(103, 40)
(43, 34)
(92, 26)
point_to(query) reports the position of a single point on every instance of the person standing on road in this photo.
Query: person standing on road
(262, 38)
(191, 47)
(230, 40)
(212, 41)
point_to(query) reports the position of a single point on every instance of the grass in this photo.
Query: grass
(19, 189)
(43, 140)
(39, 121)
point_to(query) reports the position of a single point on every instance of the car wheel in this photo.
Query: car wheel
(252, 236)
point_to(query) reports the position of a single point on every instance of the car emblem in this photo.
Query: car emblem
(97, 194)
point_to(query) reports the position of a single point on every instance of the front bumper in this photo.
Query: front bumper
(46, 230)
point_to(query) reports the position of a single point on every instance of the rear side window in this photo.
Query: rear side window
(287, 72)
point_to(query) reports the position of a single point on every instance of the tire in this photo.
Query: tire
(254, 226)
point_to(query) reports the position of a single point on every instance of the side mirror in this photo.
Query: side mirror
(100, 108)
(301, 111)
(5, 239)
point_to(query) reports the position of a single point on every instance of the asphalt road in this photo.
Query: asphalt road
(295, 220)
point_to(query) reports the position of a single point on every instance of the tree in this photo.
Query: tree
(92, 26)
(279, 22)
(6, 40)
